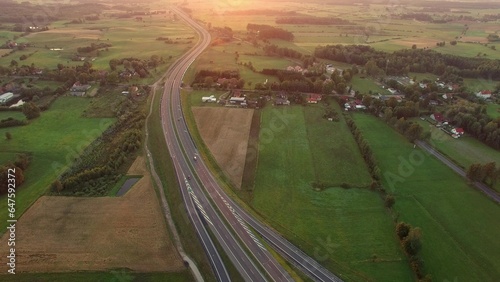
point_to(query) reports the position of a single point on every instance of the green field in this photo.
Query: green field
(471, 50)
(493, 110)
(365, 84)
(129, 38)
(476, 85)
(222, 57)
(12, 114)
(459, 224)
(341, 228)
(115, 275)
(55, 139)
(332, 148)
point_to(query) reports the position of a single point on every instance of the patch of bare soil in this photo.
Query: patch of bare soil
(61, 234)
(226, 131)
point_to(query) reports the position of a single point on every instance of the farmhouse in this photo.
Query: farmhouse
(485, 94)
(281, 101)
(237, 101)
(79, 89)
(458, 131)
(437, 117)
(6, 97)
(313, 98)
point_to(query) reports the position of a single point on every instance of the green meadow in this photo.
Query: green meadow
(55, 139)
(458, 223)
(365, 84)
(129, 38)
(493, 110)
(343, 229)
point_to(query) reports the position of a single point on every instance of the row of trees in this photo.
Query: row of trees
(365, 149)
(93, 47)
(412, 60)
(487, 173)
(410, 239)
(312, 20)
(267, 32)
(99, 166)
(274, 50)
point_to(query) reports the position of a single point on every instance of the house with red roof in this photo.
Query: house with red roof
(485, 94)
(313, 98)
(438, 117)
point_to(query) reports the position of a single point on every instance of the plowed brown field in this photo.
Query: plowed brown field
(225, 131)
(61, 234)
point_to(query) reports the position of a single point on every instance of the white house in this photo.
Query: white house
(485, 94)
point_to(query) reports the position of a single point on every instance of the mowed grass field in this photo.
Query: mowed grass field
(341, 228)
(493, 110)
(364, 84)
(458, 223)
(129, 38)
(55, 139)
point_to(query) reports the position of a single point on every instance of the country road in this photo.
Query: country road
(480, 186)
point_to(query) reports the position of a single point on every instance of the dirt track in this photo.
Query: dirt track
(60, 234)
(226, 132)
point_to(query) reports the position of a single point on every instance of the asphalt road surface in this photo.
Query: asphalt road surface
(194, 176)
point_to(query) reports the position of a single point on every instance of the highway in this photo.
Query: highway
(193, 196)
(190, 170)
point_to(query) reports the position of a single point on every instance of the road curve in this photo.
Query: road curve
(480, 186)
(193, 195)
(294, 255)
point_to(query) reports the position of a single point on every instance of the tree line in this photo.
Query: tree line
(267, 32)
(412, 60)
(487, 173)
(410, 240)
(312, 20)
(98, 168)
(93, 47)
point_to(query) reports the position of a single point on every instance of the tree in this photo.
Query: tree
(413, 132)
(209, 81)
(31, 110)
(13, 63)
(488, 171)
(57, 186)
(113, 63)
(453, 43)
(389, 201)
(474, 172)
(414, 46)
(402, 230)
(4, 171)
(411, 243)
(8, 135)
